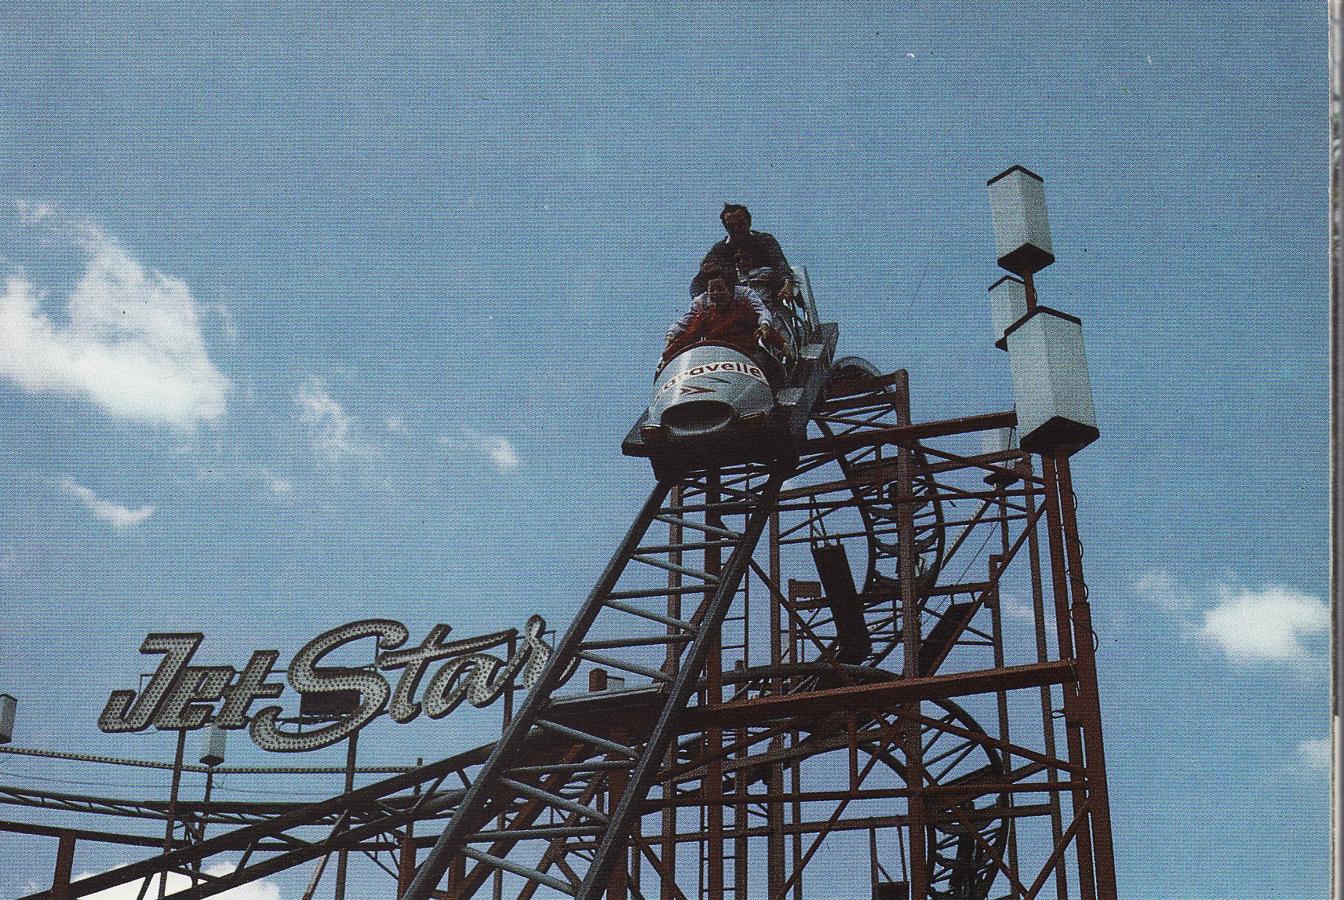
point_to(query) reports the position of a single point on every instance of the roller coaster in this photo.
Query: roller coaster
(846, 653)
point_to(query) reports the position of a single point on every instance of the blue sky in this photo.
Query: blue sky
(320, 314)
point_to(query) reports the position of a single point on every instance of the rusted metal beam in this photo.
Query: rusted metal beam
(943, 793)
(1047, 703)
(911, 640)
(1026, 811)
(906, 434)
(65, 864)
(1081, 611)
(880, 696)
(1065, 636)
(106, 837)
(711, 788)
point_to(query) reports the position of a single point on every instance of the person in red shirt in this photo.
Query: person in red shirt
(727, 311)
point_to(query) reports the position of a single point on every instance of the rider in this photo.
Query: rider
(748, 251)
(725, 310)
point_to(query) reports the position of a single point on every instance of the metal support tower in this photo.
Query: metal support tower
(902, 673)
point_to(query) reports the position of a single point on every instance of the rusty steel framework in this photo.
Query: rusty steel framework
(885, 654)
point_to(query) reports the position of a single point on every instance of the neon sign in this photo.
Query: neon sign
(183, 696)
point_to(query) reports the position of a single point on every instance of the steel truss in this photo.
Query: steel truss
(910, 715)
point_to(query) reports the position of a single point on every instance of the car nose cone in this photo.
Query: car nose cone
(698, 418)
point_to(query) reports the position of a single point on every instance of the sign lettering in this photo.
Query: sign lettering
(740, 368)
(183, 696)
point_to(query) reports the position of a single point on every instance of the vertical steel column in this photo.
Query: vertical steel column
(667, 891)
(774, 820)
(711, 789)
(740, 823)
(498, 877)
(796, 768)
(910, 627)
(1072, 715)
(669, 825)
(1088, 692)
(996, 632)
(200, 832)
(342, 861)
(457, 875)
(618, 883)
(65, 864)
(636, 858)
(996, 616)
(1042, 654)
(172, 807)
(774, 810)
(406, 859)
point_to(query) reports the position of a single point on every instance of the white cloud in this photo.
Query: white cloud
(132, 343)
(1265, 626)
(501, 452)
(1315, 754)
(258, 890)
(329, 428)
(280, 487)
(1015, 607)
(1162, 589)
(114, 514)
(396, 425)
(1273, 625)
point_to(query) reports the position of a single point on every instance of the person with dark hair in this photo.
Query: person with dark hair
(725, 311)
(748, 252)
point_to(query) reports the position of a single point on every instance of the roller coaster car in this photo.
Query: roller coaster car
(720, 402)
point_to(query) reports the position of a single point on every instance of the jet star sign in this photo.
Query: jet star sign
(182, 696)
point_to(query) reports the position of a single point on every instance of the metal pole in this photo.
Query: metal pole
(172, 807)
(774, 810)
(1029, 282)
(351, 744)
(1072, 717)
(637, 843)
(205, 818)
(996, 565)
(618, 884)
(1098, 796)
(795, 767)
(740, 822)
(498, 886)
(1047, 703)
(65, 863)
(675, 536)
(406, 861)
(913, 740)
(712, 787)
